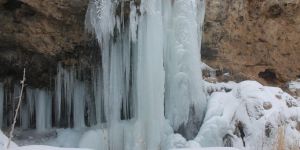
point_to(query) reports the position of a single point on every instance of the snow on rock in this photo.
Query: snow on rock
(248, 115)
(177, 142)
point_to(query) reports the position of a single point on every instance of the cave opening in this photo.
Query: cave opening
(269, 75)
(12, 5)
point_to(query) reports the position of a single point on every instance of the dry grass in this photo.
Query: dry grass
(280, 139)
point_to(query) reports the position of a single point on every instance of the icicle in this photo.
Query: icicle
(98, 95)
(79, 105)
(58, 94)
(70, 98)
(1, 104)
(24, 116)
(200, 19)
(133, 22)
(68, 86)
(100, 19)
(14, 99)
(43, 111)
(30, 98)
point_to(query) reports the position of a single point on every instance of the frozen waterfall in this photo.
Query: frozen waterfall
(150, 66)
(148, 78)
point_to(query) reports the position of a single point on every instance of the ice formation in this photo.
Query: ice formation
(148, 79)
(71, 97)
(147, 92)
(182, 63)
(149, 69)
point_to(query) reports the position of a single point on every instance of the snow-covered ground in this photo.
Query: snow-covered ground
(211, 148)
(246, 115)
(251, 116)
(13, 146)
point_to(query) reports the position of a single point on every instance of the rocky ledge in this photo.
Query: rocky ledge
(36, 34)
(249, 39)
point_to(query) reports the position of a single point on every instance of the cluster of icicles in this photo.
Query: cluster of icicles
(149, 76)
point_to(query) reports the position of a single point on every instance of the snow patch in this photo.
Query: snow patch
(294, 84)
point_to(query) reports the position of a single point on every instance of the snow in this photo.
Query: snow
(238, 113)
(4, 140)
(95, 139)
(40, 147)
(211, 148)
(93, 134)
(66, 138)
(177, 142)
(294, 84)
(13, 146)
(251, 114)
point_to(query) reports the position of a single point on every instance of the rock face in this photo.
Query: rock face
(36, 34)
(47, 27)
(254, 39)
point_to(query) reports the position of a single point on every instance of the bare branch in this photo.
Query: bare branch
(17, 110)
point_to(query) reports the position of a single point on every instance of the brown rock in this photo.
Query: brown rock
(47, 27)
(298, 92)
(251, 39)
(267, 105)
(36, 34)
(64, 10)
(298, 126)
(259, 39)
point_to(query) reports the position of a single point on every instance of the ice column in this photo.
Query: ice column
(184, 98)
(43, 103)
(150, 73)
(79, 104)
(70, 98)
